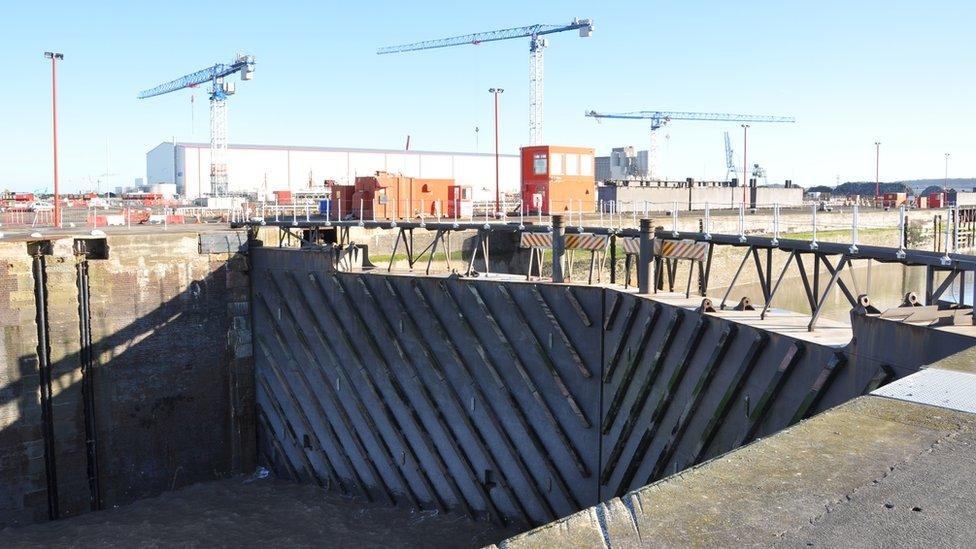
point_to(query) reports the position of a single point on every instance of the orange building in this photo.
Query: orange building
(389, 196)
(894, 200)
(557, 179)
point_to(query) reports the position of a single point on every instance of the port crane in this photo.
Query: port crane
(729, 160)
(537, 44)
(220, 90)
(661, 118)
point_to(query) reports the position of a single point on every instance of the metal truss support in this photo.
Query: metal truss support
(834, 279)
(735, 277)
(779, 280)
(481, 244)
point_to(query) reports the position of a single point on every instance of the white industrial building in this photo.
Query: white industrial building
(263, 169)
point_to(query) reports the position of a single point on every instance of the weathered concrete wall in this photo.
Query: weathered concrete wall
(519, 401)
(715, 197)
(694, 198)
(172, 382)
(786, 198)
(22, 481)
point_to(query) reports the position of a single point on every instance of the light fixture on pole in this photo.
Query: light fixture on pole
(496, 92)
(55, 57)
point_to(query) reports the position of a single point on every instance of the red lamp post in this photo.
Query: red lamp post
(496, 92)
(55, 57)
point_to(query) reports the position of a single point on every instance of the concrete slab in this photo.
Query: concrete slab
(794, 324)
(819, 480)
(936, 387)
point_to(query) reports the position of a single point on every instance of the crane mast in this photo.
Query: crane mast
(537, 46)
(220, 90)
(729, 159)
(659, 119)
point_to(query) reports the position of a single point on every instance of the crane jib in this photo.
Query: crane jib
(209, 74)
(490, 36)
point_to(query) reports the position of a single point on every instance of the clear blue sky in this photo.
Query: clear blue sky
(850, 72)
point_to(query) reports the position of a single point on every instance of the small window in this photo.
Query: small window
(557, 164)
(540, 164)
(425, 189)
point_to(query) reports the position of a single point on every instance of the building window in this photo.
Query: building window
(572, 164)
(586, 164)
(557, 164)
(540, 164)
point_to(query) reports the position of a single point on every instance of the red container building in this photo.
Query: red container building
(557, 179)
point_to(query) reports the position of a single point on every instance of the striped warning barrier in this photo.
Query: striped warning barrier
(535, 240)
(591, 242)
(684, 249)
(631, 245)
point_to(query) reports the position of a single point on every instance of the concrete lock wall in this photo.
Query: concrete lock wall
(171, 375)
(523, 401)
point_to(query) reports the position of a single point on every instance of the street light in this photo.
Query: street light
(496, 92)
(745, 164)
(55, 57)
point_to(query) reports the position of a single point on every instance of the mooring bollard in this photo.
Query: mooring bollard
(558, 248)
(644, 258)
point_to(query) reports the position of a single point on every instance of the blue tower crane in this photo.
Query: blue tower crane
(219, 92)
(537, 43)
(661, 118)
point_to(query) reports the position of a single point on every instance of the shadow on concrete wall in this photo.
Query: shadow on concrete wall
(172, 405)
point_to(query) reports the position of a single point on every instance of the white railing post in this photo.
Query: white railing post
(854, 223)
(674, 219)
(742, 222)
(955, 229)
(813, 237)
(708, 222)
(946, 260)
(776, 224)
(900, 254)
